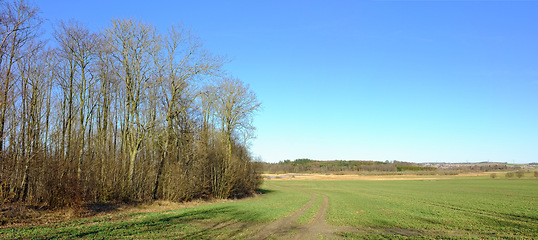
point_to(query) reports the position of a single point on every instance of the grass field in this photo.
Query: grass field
(456, 208)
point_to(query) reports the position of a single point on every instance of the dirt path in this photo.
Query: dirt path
(319, 226)
(288, 228)
(283, 227)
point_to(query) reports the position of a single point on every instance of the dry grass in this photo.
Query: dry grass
(305, 176)
(18, 215)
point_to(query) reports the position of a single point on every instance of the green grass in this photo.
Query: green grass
(459, 207)
(206, 221)
(456, 208)
(309, 214)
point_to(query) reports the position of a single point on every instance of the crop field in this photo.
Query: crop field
(460, 207)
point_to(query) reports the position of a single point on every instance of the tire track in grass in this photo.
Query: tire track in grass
(319, 228)
(285, 226)
(289, 228)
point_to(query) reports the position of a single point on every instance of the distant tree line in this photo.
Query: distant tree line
(339, 166)
(313, 166)
(128, 113)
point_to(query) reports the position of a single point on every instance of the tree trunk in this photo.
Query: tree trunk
(132, 157)
(159, 173)
(24, 184)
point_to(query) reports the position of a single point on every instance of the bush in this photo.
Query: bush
(520, 174)
(449, 172)
(509, 175)
(536, 174)
(493, 175)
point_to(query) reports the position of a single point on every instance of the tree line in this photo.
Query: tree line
(305, 165)
(128, 113)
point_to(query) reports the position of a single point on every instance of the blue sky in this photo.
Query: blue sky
(412, 81)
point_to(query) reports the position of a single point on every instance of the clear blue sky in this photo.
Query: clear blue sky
(367, 80)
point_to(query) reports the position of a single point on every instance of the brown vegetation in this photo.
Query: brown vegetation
(126, 114)
(325, 177)
(377, 167)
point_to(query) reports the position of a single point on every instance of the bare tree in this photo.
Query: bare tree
(106, 132)
(33, 86)
(234, 106)
(66, 70)
(78, 48)
(19, 24)
(19, 30)
(118, 115)
(132, 45)
(185, 62)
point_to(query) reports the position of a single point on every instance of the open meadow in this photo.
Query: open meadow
(417, 208)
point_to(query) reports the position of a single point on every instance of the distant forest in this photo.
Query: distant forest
(128, 113)
(305, 165)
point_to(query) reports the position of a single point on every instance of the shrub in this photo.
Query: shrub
(520, 174)
(493, 175)
(509, 175)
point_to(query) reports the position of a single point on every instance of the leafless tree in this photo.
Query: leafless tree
(133, 45)
(19, 25)
(234, 106)
(78, 48)
(186, 62)
(123, 114)
(33, 86)
(19, 30)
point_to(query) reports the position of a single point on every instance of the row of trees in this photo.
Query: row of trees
(124, 114)
(339, 166)
(313, 166)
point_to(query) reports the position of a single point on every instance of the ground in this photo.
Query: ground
(310, 206)
(315, 176)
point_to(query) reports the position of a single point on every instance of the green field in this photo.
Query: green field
(457, 208)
